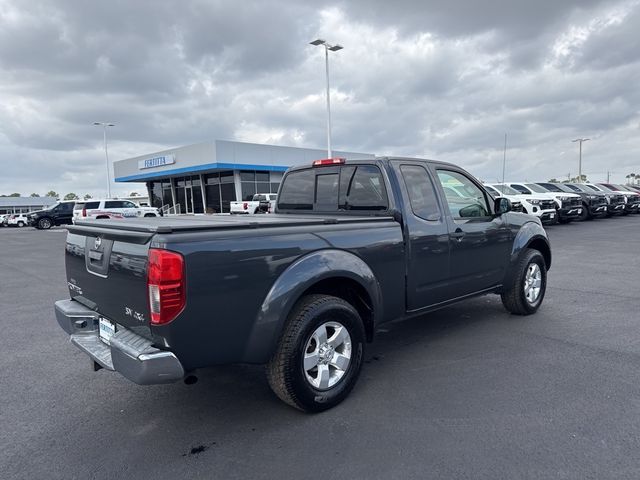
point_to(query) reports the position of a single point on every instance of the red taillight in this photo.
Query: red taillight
(245, 205)
(166, 285)
(84, 212)
(328, 161)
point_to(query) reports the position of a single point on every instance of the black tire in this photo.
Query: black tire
(285, 370)
(45, 223)
(149, 215)
(584, 215)
(21, 224)
(513, 297)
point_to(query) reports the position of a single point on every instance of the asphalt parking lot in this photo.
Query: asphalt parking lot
(466, 392)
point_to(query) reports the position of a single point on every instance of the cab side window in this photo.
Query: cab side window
(422, 195)
(464, 198)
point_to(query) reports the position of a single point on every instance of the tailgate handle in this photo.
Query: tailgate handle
(97, 255)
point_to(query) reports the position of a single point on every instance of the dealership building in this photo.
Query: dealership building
(206, 177)
(25, 204)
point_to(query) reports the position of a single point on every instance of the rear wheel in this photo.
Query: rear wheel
(149, 215)
(44, 224)
(319, 357)
(20, 224)
(528, 284)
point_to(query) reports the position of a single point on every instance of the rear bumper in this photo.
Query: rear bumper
(130, 354)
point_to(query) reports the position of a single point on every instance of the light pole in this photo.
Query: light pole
(580, 140)
(104, 126)
(333, 48)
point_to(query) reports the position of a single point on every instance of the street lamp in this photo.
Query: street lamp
(580, 140)
(333, 48)
(104, 126)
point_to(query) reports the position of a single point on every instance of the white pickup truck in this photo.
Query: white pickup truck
(261, 203)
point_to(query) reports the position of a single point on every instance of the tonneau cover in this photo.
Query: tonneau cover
(146, 226)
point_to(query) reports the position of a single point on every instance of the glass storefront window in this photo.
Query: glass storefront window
(220, 191)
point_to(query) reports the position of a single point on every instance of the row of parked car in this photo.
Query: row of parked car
(565, 202)
(66, 212)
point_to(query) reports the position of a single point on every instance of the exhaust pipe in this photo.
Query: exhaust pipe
(190, 380)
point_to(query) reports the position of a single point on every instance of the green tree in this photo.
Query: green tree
(53, 194)
(34, 195)
(578, 179)
(134, 194)
(553, 180)
(14, 195)
(71, 196)
(87, 196)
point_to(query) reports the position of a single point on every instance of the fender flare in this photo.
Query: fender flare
(530, 233)
(291, 285)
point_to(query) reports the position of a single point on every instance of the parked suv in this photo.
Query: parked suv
(568, 205)
(58, 214)
(594, 204)
(616, 200)
(18, 220)
(632, 199)
(542, 207)
(111, 208)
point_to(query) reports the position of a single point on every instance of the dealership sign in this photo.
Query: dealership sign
(156, 162)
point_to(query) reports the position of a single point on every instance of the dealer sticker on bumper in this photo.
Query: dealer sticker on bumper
(107, 329)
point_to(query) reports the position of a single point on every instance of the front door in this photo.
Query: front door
(480, 240)
(427, 237)
(188, 200)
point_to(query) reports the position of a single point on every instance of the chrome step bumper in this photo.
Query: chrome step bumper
(128, 353)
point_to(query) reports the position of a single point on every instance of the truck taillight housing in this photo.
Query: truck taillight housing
(166, 285)
(328, 161)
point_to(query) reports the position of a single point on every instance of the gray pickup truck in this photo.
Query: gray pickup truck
(352, 245)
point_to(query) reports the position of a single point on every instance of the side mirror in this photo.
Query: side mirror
(502, 205)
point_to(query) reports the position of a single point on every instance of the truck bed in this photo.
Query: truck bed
(218, 222)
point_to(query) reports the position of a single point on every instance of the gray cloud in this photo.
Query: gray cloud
(438, 78)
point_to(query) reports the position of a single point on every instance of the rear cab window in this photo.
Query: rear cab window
(354, 187)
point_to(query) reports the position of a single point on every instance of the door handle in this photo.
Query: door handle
(458, 234)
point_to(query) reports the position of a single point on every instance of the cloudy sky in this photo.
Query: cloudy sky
(443, 79)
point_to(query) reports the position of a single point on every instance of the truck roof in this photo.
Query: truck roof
(369, 161)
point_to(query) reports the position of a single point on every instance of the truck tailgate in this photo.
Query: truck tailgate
(106, 271)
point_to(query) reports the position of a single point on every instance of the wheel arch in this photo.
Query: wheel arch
(531, 235)
(330, 272)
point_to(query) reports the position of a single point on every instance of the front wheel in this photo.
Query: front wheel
(20, 224)
(528, 284)
(319, 357)
(584, 214)
(44, 224)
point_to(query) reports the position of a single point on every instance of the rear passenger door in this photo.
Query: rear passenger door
(427, 237)
(480, 240)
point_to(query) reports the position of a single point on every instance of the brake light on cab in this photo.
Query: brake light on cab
(329, 161)
(166, 285)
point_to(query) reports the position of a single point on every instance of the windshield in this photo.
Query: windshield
(605, 188)
(505, 189)
(576, 188)
(590, 187)
(536, 188)
(551, 187)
